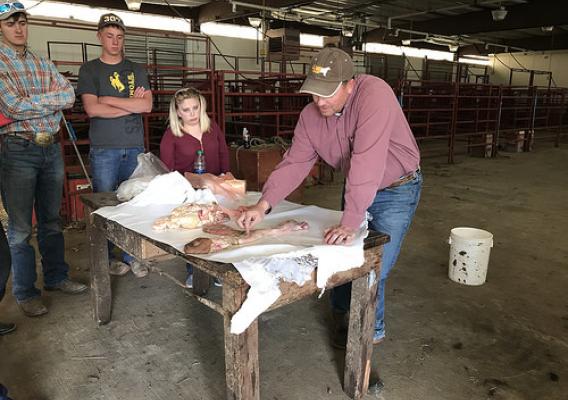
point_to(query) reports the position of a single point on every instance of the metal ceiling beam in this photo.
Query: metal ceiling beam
(530, 15)
(358, 7)
(310, 29)
(437, 11)
(303, 16)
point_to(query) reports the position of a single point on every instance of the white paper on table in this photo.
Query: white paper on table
(261, 264)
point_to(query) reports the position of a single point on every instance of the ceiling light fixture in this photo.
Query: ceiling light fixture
(133, 5)
(499, 14)
(549, 28)
(255, 22)
(347, 31)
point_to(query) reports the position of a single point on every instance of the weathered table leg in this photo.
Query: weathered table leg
(201, 282)
(101, 296)
(241, 351)
(360, 337)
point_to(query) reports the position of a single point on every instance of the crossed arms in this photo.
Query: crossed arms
(114, 107)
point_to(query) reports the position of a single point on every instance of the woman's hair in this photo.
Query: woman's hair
(177, 99)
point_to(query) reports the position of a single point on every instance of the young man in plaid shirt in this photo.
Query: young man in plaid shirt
(32, 94)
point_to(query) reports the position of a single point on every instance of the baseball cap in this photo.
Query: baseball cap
(111, 19)
(328, 69)
(9, 8)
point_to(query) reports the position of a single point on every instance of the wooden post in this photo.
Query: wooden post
(360, 337)
(101, 295)
(241, 351)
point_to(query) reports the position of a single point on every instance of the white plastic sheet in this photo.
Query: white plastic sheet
(261, 264)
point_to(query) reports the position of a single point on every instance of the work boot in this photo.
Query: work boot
(118, 268)
(379, 337)
(67, 286)
(7, 327)
(340, 329)
(138, 269)
(33, 307)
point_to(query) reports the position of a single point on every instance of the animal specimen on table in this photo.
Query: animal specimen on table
(226, 236)
(192, 215)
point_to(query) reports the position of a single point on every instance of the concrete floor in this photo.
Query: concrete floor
(507, 339)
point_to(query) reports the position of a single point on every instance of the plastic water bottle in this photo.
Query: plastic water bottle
(246, 138)
(199, 164)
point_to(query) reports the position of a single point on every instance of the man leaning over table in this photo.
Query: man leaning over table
(355, 124)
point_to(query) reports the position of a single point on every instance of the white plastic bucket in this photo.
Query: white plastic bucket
(469, 255)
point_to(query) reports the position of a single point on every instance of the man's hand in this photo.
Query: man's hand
(252, 215)
(338, 234)
(139, 92)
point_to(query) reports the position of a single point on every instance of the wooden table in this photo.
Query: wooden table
(241, 351)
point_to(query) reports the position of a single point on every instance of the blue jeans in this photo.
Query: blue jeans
(32, 176)
(391, 212)
(5, 262)
(4, 393)
(111, 167)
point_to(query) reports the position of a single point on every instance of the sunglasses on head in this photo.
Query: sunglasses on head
(4, 8)
(187, 90)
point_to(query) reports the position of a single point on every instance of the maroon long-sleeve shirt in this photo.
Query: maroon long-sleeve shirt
(178, 153)
(370, 141)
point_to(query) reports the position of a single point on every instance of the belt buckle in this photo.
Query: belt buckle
(43, 139)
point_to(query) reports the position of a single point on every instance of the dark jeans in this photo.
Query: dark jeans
(5, 262)
(111, 167)
(4, 393)
(32, 177)
(392, 212)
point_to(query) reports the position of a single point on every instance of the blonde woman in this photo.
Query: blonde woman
(191, 130)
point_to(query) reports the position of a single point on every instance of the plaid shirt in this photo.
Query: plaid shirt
(32, 92)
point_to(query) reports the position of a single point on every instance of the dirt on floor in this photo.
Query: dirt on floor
(504, 340)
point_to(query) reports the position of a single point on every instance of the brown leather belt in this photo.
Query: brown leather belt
(404, 179)
(43, 139)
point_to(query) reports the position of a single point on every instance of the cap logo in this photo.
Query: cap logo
(316, 69)
(111, 18)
